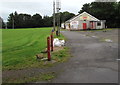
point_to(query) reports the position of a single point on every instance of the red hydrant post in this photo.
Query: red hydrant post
(51, 42)
(48, 48)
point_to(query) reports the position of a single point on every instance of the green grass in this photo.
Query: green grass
(47, 76)
(40, 77)
(58, 56)
(19, 46)
(61, 37)
(62, 55)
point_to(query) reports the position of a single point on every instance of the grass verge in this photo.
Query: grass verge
(58, 56)
(40, 77)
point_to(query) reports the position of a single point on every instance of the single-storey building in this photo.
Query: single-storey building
(83, 21)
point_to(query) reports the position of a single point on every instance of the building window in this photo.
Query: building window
(99, 24)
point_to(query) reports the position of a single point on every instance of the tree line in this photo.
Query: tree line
(109, 11)
(16, 20)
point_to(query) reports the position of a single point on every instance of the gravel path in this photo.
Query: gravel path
(94, 60)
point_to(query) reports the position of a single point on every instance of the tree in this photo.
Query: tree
(117, 12)
(2, 24)
(28, 21)
(24, 21)
(10, 20)
(66, 16)
(47, 21)
(19, 20)
(16, 20)
(86, 7)
(37, 20)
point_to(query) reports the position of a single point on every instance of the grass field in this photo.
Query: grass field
(19, 46)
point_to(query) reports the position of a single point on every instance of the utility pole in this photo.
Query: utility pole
(1, 23)
(6, 25)
(58, 8)
(54, 15)
(13, 22)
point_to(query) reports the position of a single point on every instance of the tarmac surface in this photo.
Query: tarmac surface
(95, 59)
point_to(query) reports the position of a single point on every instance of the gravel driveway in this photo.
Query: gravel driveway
(94, 59)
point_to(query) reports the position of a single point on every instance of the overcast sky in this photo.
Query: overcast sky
(43, 7)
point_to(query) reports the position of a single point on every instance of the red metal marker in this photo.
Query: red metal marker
(48, 48)
(51, 42)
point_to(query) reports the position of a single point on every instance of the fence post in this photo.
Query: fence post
(52, 42)
(48, 48)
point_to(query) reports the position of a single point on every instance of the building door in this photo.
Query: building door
(92, 25)
(84, 26)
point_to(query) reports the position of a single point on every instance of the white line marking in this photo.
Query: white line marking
(118, 59)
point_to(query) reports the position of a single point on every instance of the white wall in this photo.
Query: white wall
(62, 25)
(102, 25)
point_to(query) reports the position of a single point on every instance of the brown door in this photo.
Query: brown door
(92, 25)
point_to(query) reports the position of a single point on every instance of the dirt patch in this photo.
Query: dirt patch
(56, 49)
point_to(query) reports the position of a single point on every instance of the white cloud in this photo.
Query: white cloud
(43, 7)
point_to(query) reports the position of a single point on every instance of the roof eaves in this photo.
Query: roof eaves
(80, 15)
